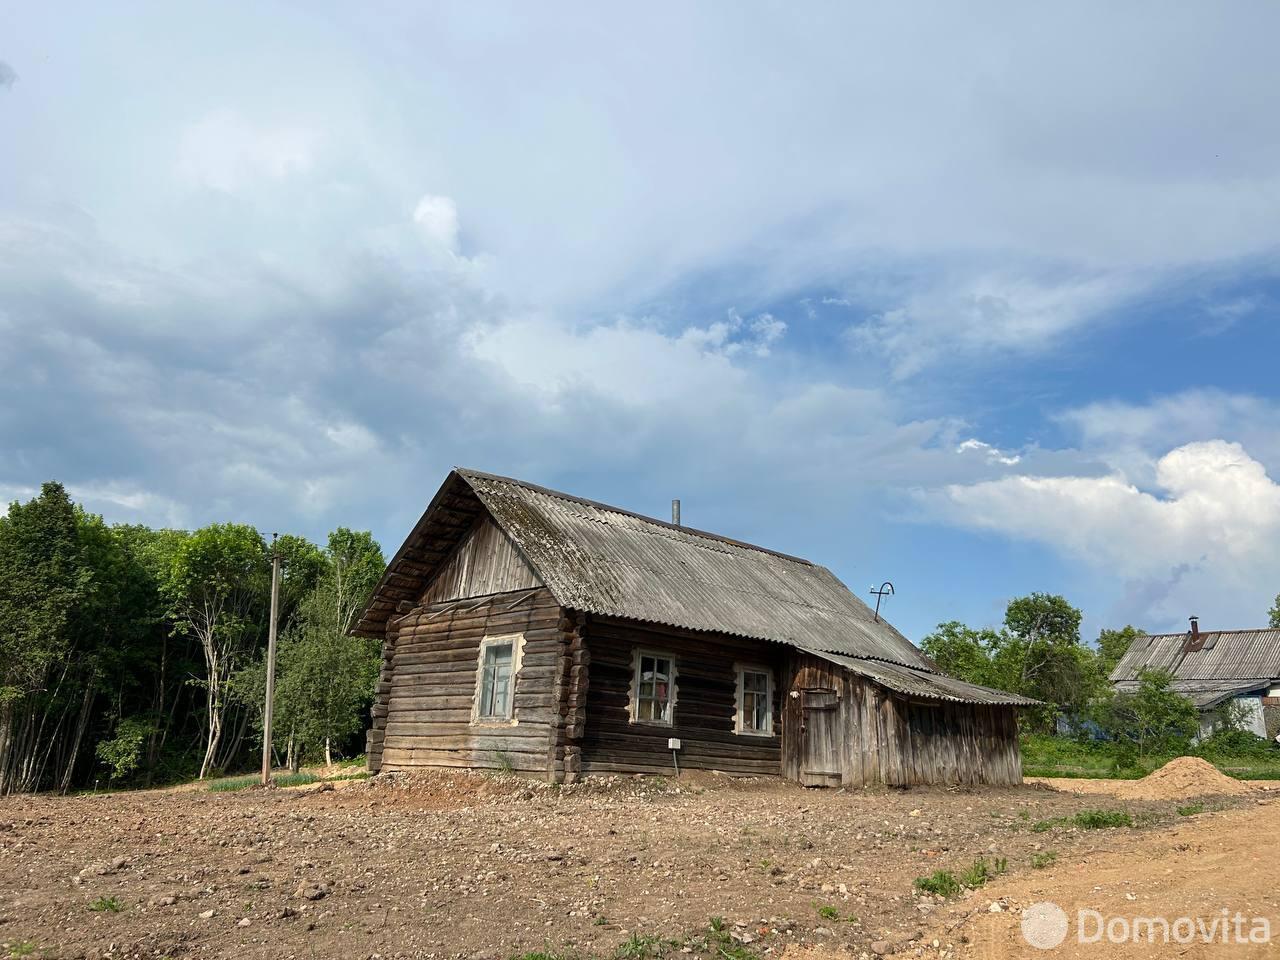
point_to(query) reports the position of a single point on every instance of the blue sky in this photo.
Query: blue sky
(981, 300)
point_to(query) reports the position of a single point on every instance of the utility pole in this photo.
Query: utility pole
(271, 663)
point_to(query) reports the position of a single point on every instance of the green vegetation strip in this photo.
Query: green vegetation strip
(716, 940)
(944, 883)
(1087, 820)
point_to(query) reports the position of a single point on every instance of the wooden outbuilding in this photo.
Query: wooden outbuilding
(535, 631)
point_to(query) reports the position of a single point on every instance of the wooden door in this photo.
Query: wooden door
(819, 738)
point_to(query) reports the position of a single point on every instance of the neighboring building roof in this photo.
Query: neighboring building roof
(1206, 694)
(1224, 655)
(930, 686)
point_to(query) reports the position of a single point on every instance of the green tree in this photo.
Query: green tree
(217, 584)
(1039, 655)
(324, 678)
(42, 582)
(1113, 645)
(1273, 615)
(157, 688)
(1153, 718)
(962, 651)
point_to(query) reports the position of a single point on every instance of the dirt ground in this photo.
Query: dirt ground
(468, 865)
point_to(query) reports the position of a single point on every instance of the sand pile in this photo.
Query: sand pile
(1182, 778)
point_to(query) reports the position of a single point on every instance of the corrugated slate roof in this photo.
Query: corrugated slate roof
(930, 686)
(603, 560)
(1206, 693)
(607, 561)
(1225, 655)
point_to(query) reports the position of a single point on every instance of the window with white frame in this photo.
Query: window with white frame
(653, 697)
(495, 678)
(755, 701)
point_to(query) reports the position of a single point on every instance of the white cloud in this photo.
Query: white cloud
(1128, 436)
(605, 184)
(225, 151)
(116, 500)
(993, 454)
(1217, 513)
(11, 493)
(437, 218)
(1226, 314)
(989, 314)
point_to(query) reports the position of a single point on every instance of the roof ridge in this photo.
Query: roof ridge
(468, 473)
(1203, 633)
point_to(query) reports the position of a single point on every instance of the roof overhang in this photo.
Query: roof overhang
(920, 684)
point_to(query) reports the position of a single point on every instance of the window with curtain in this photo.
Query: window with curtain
(655, 689)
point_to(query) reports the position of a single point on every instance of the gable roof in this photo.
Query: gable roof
(611, 562)
(1232, 658)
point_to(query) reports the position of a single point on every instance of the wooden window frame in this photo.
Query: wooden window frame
(739, 701)
(517, 656)
(637, 655)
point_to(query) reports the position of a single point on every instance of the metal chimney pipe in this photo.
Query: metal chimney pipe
(675, 512)
(1195, 627)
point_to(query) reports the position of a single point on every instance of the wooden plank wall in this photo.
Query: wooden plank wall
(706, 691)
(433, 684)
(484, 562)
(889, 739)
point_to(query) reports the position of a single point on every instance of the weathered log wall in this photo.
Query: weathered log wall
(885, 738)
(424, 695)
(432, 685)
(705, 704)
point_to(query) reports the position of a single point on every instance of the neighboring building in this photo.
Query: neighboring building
(1211, 667)
(531, 630)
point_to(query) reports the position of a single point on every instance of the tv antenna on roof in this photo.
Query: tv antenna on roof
(886, 589)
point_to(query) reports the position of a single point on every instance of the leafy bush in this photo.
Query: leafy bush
(1125, 763)
(981, 872)
(1102, 819)
(942, 883)
(1152, 719)
(106, 905)
(124, 752)
(638, 947)
(1230, 744)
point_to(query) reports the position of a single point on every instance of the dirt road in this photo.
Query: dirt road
(464, 865)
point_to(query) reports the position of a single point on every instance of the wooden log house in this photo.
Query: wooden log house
(531, 630)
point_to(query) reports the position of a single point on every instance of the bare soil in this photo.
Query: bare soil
(468, 865)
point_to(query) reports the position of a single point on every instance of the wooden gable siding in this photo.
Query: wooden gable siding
(484, 562)
(884, 738)
(705, 703)
(432, 685)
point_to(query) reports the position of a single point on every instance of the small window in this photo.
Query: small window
(654, 689)
(755, 701)
(495, 678)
